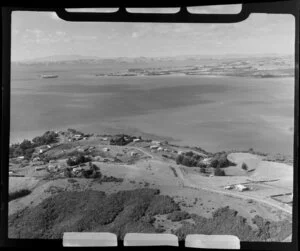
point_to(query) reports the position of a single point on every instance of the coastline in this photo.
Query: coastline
(279, 157)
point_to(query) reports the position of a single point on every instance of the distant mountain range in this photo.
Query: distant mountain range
(73, 59)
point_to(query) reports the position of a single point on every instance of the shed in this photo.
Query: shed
(241, 187)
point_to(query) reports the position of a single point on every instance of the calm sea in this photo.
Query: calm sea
(215, 113)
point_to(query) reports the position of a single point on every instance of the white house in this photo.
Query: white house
(155, 142)
(241, 187)
(105, 149)
(228, 187)
(159, 149)
(136, 140)
(154, 147)
(133, 154)
(77, 136)
(36, 159)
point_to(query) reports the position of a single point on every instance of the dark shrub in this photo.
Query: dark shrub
(201, 164)
(188, 159)
(76, 160)
(220, 160)
(28, 153)
(179, 159)
(178, 216)
(219, 172)
(202, 170)
(68, 173)
(111, 179)
(121, 140)
(189, 154)
(26, 144)
(18, 194)
(47, 138)
(162, 205)
(244, 166)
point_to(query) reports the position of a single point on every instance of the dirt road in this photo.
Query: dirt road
(188, 183)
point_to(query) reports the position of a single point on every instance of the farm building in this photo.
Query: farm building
(241, 187)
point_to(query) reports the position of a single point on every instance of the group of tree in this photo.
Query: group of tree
(189, 159)
(78, 159)
(121, 140)
(220, 160)
(26, 148)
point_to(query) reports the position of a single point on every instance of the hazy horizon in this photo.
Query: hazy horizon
(79, 56)
(44, 34)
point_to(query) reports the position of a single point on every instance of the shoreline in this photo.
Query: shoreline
(278, 157)
(251, 76)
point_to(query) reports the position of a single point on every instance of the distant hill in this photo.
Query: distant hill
(74, 59)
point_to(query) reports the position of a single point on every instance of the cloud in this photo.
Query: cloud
(84, 38)
(135, 35)
(36, 36)
(35, 32)
(60, 33)
(15, 31)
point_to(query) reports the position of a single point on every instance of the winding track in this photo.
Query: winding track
(188, 183)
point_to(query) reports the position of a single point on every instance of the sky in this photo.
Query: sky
(42, 34)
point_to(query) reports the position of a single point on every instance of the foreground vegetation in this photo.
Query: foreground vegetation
(227, 221)
(131, 211)
(27, 147)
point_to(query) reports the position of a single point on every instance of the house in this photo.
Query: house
(77, 169)
(133, 154)
(52, 167)
(241, 188)
(105, 149)
(159, 149)
(154, 147)
(36, 159)
(21, 157)
(136, 140)
(77, 136)
(48, 146)
(155, 142)
(228, 187)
